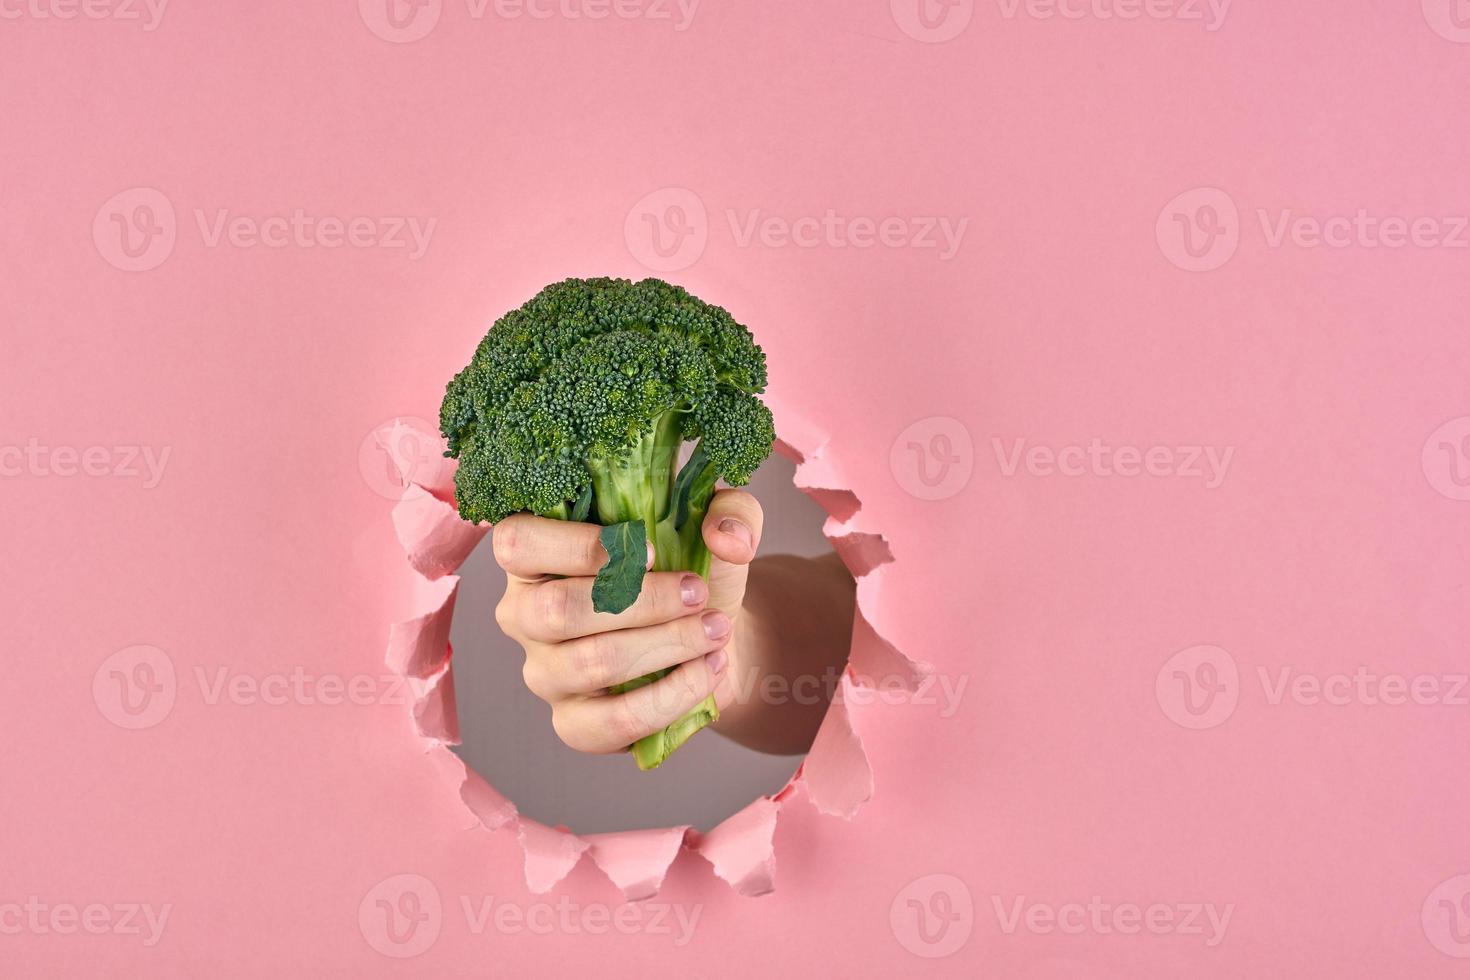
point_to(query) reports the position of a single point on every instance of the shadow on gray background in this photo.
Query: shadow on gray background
(507, 734)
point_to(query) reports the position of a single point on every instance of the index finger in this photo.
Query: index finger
(531, 548)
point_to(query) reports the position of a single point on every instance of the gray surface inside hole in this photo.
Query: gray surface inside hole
(507, 734)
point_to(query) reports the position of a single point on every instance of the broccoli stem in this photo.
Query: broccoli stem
(640, 485)
(635, 485)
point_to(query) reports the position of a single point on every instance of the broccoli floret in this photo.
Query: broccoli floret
(577, 405)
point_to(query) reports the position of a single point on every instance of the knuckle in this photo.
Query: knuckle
(593, 554)
(592, 662)
(505, 541)
(505, 616)
(654, 594)
(689, 683)
(624, 725)
(535, 677)
(743, 500)
(571, 735)
(661, 648)
(692, 636)
(667, 698)
(551, 608)
(663, 592)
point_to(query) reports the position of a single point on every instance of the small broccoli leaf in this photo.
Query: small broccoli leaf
(583, 506)
(696, 467)
(621, 579)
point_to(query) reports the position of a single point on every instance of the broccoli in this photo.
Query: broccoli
(576, 406)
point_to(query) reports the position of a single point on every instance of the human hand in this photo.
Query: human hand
(679, 621)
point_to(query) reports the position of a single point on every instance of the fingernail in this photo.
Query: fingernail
(716, 624)
(715, 661)
(736, 528)
(691, 590)
(649, 564)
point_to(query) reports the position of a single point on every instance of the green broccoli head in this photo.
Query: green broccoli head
(576, 406)
(592, 385)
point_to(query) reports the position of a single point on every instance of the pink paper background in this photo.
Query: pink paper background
(1336, 540)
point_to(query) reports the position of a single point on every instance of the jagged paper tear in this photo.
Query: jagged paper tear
(836, 776)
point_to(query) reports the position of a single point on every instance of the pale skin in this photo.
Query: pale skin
(767, 636)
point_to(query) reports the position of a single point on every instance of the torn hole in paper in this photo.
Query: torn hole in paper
(740, 850)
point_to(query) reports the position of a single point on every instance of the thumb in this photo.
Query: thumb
(732, 531)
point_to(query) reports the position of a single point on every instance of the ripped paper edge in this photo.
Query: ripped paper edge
(836, 774)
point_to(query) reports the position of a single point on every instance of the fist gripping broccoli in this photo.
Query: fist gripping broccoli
(576, 406)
